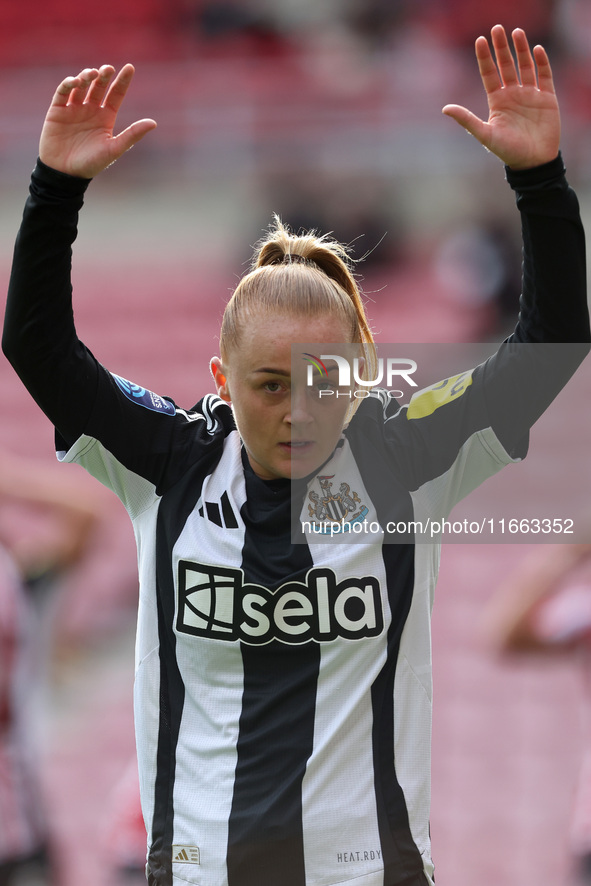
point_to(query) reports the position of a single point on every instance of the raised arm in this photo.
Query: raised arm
(523, 126)
(78, 134)
(39, 339)
(523, 130)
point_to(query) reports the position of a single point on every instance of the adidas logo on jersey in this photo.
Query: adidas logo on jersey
(186, 855)
(214, 602)
(221, 514)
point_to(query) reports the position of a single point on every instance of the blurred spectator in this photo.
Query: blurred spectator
(44, 522)
(573, 24)
(24, 837)
(28, 554)
(545, 607)
(478, 267)
(457, 21)
(352, 207)
(125, 836)
(376, 20)
(239, 25)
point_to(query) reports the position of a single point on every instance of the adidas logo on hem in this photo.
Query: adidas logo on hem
(185, 855)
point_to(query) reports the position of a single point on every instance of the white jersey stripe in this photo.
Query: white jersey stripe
(204, 780)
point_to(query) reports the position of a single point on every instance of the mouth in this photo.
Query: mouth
(297, 446)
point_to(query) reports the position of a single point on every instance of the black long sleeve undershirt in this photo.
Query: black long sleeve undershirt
(553, 303)
(39, 337)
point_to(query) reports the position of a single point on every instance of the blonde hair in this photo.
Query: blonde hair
(302, 274)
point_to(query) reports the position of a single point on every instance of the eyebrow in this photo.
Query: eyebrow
(270, 371)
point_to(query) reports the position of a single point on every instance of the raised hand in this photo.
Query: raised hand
(77, 136)
(523, 127)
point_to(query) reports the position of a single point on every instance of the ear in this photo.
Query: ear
(219, 377)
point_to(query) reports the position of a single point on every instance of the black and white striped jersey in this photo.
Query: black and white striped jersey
(283, 690)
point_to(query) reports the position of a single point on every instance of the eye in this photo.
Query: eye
(325, 386)
(272, 387)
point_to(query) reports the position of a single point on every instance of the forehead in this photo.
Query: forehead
(271, 336)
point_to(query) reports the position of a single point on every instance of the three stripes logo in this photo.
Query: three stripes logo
(221, 514)
(186, 855)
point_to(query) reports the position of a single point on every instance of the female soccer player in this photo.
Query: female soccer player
(283, 691)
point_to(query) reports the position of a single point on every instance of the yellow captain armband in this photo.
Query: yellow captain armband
(425, 402)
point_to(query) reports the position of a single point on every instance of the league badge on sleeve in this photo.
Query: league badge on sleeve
(143, 397)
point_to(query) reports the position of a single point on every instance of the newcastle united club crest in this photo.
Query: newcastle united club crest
(328, 507)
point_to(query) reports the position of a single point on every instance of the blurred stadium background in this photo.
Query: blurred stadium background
(328, 113)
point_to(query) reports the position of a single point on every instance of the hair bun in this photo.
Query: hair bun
(291, 257)
(282, 246)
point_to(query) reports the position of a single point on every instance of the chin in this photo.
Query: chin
(299, 471)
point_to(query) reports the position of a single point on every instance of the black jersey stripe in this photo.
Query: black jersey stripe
(172, 695)
(276, 730)
(265, 839)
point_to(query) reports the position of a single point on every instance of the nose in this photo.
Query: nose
(299, 411)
